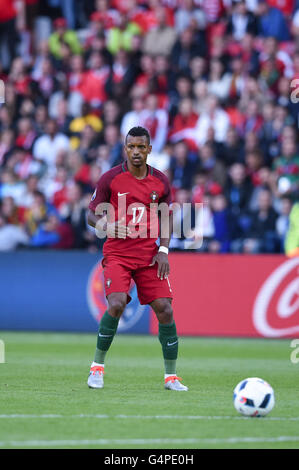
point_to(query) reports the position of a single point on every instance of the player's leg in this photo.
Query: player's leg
(117, 279)
(169, 342)
(158, 294)
(117, 302)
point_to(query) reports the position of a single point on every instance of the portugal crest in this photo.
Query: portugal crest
(154, 196)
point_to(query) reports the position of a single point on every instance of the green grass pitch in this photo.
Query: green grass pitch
(45, 401)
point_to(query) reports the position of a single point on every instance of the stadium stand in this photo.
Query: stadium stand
(216, 83)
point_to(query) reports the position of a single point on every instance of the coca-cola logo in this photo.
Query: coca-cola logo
(276, 307)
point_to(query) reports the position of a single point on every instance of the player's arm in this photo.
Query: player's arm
(93, 220)
(98, 209)
(116, 229)
(166, 226)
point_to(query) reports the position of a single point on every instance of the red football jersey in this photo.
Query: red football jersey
(137, 201)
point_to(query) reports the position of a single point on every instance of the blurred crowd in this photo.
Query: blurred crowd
(216, 83)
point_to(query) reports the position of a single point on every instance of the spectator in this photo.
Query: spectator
(87, 118)
(268, 133)
(19, 77)
(219, 82)
(26, 133)
(42, 54)
(272, 22)
(155, 119)
(254, 162)
(108, 16)
(62, 35)
(41, 118)
(56, 190)
(24, 165)
(92, 86)
(262, 235)
(111, 113)
(73, 211)
(250, 54)
(216, 118)
(88, 143)
(282, 57)
(295, 25)
(132, 117)
(6, 145)
(221, 238)
(121, 36)
(208, 161)
(186, 47)
(114, 145)
(253, 120)
(38, 212)
(11, 185)
(182, 89)
(32, 185)
(182, 166)
(286, 168)
(122, 75)
(161, 38)
(160, 160)
(8, 32)
(241, 21)
(237, 78)
(231, 150)
(283, 221)
(53, 234)
(198, 68)
(203, 186)
(189, 15)
(184, 121)
(238, 188)
(213, 10)
(12, 213)
(47, 146)
(183, 219)
(204, 230)
(292, 239)
(76, 72)
(11, 236)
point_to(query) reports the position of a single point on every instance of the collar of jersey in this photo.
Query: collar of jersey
(125, 168)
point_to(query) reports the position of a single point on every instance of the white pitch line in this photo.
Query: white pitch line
(121, 416)
(87, 442)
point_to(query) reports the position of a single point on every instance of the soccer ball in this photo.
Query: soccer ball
(253, 397)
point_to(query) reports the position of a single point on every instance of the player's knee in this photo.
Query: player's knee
(116, 307)
(164, 312)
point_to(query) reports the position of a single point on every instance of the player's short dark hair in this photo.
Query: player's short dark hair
(139, 131)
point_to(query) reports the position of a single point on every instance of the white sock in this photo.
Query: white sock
(97, 364)
(168, 375)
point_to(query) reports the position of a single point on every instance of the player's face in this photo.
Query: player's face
(137, 150)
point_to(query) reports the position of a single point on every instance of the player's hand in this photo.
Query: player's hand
(118, 229)
(163, 265)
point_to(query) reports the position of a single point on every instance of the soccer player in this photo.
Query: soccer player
(131, 193)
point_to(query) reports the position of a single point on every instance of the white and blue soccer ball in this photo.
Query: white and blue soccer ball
(254, 397)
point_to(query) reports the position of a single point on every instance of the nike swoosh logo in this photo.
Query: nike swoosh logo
(171, 344)
(121, 194)
(105, 336)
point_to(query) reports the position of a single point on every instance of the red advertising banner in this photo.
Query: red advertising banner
(234, 295)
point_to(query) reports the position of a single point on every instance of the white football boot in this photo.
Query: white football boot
(173, 383)
(96, 377)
